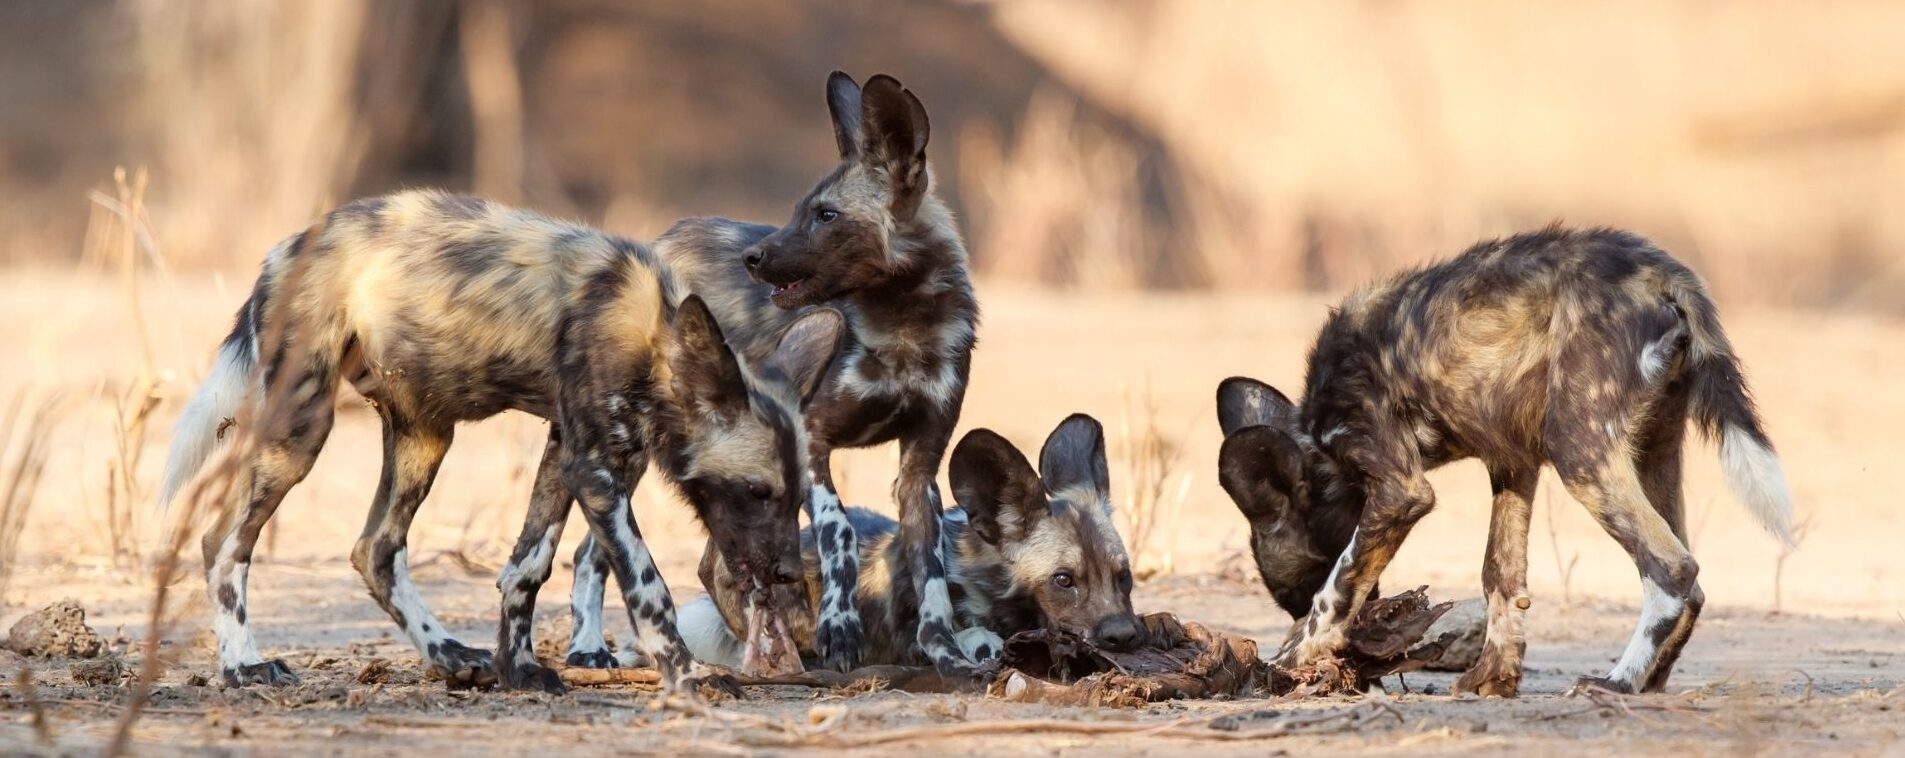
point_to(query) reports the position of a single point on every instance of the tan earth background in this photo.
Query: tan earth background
(1157, 195)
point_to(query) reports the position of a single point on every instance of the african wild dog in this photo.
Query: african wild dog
(873, 240)
(1025, 550)
(442, 308)
(1587, 350)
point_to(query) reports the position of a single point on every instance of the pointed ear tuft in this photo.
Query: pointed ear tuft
(843, 102)
(1074, 458)
(1242, 401)
(707, 375)
(807, 349)
(996, 486)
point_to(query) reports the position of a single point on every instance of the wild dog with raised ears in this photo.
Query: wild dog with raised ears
(873, 240)
(1026, 549)
(1586, 350)
(442, 308)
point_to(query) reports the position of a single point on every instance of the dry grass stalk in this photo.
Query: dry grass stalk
(1800, 531)
(1563, 569)
(1157, 490)
(24, 459)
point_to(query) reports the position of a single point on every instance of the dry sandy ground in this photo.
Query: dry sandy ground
(1823, 673)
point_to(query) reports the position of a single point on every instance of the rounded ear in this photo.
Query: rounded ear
(707, 376)
(996, 486)
(1242, 401)
(1074, 458)
(806, 350)
(1261, 468)
(893, 135)
(843, 102)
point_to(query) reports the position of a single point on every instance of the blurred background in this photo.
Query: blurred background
(1281, 146)
(1156, 194)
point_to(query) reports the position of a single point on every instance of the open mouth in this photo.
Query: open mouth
(782, 290)
(769, 648)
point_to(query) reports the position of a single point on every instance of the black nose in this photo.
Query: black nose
(1117, 633)
(787, 571)
(753, 258)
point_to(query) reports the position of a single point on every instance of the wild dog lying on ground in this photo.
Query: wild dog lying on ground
(1025, 550)
(441, 308)
(1587, 350)
(873, 240)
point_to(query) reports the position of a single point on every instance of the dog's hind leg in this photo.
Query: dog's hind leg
(295, 423)
(528, 569)
(1497, 673)
(412, 452)
(1588, 447)
(1657, 457)
(588, 646)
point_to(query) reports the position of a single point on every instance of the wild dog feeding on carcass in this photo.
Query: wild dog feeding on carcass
(873, 240)
(442, 308)
(1026, 549)
(1587, 350)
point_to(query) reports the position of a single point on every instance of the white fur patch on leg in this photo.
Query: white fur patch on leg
(423, 629)
(585, 609)
(979, 644)
(535, 564)
(1656, 607)
(236, 646)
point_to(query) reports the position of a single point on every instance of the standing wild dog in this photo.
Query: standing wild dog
(1025, 550)
(873, 240)
(1587, 350)
(441, 308)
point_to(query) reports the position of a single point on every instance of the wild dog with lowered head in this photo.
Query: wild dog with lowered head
(442, 308)
(873, 240)
(1587, 350)
(1025, 550)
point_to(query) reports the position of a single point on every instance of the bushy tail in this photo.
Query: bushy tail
(1723, 409)
(218, 401)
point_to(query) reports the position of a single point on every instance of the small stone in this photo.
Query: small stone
(98, 672)
(56, 631)
(1469, 620)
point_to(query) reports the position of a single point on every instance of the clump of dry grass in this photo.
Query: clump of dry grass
(1157, 488)
(120, 237)
(23, 451)
(1563, 569)
(1801, 530)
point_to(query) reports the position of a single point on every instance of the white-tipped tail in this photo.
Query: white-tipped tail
(196, 434)
(706, 634)
(1758, 481)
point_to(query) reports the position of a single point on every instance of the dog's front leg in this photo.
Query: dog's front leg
(838, 633)
(603, 488)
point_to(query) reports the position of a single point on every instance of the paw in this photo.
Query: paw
(461, 665)
(271, 673)
(599, 658)
(979, 644)
(530, 677)
(967, 676)
(839, 641)
(1490, 677)
(1588, 684)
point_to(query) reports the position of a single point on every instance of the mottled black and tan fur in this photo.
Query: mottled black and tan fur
(874, 241)
(441, 309)
(1586, 350)
(1026, 549)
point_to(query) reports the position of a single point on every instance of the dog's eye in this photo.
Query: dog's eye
(1063, 579)
(826, 215)
(760, 491)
